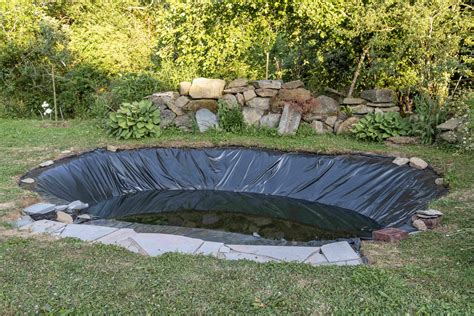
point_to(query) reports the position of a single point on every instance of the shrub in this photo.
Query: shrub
(430, 113)
(135, 120)
(230, 118)
(380, 126)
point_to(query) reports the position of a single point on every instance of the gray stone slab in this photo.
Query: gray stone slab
(23, 221)
(117, 236)
(339, 251)
(132, 245)
(210, 248)
(39, 209)
(44, 226)
(86, 232)
(282, 253)
(158, 244)
(316, 259)
(233, 255)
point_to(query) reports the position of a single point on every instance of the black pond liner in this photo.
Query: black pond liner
(339, 196)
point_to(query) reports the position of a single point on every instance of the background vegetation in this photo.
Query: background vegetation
(103, 53)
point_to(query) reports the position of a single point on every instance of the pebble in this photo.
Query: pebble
(112, 148)
(64, 152)
(439, 181)
(28, 180)
(46, 163)
(400, 161)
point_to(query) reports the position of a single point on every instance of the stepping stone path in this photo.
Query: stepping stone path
(339, 253)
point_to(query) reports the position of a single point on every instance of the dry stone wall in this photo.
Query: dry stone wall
(268, 103)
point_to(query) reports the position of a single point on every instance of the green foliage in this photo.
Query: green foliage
(230, 118)
(135, 120)
(380, 126)
(430, 112)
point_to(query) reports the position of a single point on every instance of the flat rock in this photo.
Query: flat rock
(378, 95)
(281, 253)
(27, 180)
(64, 217)
(158, 244)
(249, 95)
(418, 163)
(289, 121)
(86, 232)
(77, 206)
(266, 92)
(38, 209)
(346, 126)
(205, 120)
(353, 101)
(429, 212)
(361, 109)
(209, 248)
(318, 127)
(236, 90)
(236, 83)
(44, 227)
(400, 161)
(270, 120)
(116, 237)
(267, 84)
(23, 221)
(381, 105)
(450, 124)
(204, 88)
(293, 84)
(184, 87)
(252, 116)
(259, 103)
(46, 163)
(339, 252)
(194, 105)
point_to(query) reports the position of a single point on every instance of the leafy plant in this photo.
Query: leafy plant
(380, 126)
(135, 120)
(231, 118)
(430, 113)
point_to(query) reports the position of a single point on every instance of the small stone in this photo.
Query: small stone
(450, 124)
(259, 103)
(167, 117)
(429, 212)
(289, 121)
(64, 217)
(27, 180)
(229, 100)
(331, 120)
(65, 152)
(361, 109)
(252, 116)
(112, 148)
(184, 122)
(240, 99)
(418, 163)
(318, 127)
(353, 101)
(184, 87)
(439, 181)
(236, 83)
(420, 225)
(205, 120)
(267, 84)
(400, 161)
(266, 92)
(389, 234)
(46, 163)
(270, 120)
(293, 84)
(249, 95)
(77, 206)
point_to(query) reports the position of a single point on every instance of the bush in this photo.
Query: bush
(430, 113)
(135, 120)
(230, 118)
(378, 126)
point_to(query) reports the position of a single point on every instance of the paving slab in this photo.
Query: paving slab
(210, 248)
(22, 221)
(44, 226)
(117, 236)
(339, 251)
(39, 209)
(234, 255)
(283, 253)
(158, 244)
(316, 259)
(86, 232)
(132, 245)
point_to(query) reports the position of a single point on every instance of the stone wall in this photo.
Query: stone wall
(269, 103)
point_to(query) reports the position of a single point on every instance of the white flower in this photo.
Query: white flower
(45, 105)
(48, 111)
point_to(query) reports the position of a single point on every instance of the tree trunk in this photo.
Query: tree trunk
(357, 72)
(266, 66)
(54, 95)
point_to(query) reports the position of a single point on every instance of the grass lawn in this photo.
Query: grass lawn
(430, 272)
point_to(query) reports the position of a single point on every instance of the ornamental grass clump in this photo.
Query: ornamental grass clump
(135, 120)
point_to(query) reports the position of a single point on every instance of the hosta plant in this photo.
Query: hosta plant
(135, 120)
(380, 126)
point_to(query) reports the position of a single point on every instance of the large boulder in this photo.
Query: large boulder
(184, 87)
(205, 120)
(378, 95)
(203, 88)
(259, 103)
(266, 92)
(267, 84)
(289, 121)
(320, 108)
(252, 116)
(194, 105)
(270, 120)
(236, 83)
(298, 96)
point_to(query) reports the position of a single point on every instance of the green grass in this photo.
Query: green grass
(428, 273)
